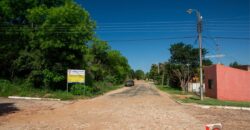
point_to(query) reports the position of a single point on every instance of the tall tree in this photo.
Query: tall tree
(41, 39)
(186, 54)
(234, 64)
(182, 74)
(153, 73)
(45, 38)
(139, 74)
(119, 67)
(185, 58)
(99, 59)
(16, 30)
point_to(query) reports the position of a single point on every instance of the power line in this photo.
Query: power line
(148, 28)
(164, 38)
(231, 38)
(143, 31)
(150, 39)
(236, 17)
(150, 22)
(146, 25)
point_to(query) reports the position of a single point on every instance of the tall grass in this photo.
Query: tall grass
(215, 102)
(8, 88)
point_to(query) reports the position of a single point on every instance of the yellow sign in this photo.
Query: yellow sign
(76, 76)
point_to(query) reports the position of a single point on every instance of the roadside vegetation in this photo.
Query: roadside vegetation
(26, 89)
(185, 97)
(77, 91)
(40, 40)
(180, 68)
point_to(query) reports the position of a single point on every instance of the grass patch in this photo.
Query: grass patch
(177, 94)
(214, 102)
(170, 90)
(63, 95)
(25, 89)
(109, 88)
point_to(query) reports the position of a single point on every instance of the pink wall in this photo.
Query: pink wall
(229, 83)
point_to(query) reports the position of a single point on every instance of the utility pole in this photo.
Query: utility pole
(163, 74)
(158, 67)
(199, 30)
(188, 77)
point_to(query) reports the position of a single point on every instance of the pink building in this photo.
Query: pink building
(226, 83)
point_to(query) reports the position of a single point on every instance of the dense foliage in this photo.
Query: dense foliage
(40, 40)
(234, 64)
(139, 74)
(181, 67)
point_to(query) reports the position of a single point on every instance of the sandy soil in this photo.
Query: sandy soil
(130, 108)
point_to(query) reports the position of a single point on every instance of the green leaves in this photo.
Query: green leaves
(40, 40)
(186, 54)
(106, 64)
(37, 15)
(139, 74)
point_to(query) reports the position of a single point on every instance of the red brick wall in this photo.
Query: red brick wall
(231, 83)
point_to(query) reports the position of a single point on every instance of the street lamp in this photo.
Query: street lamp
(199, 30)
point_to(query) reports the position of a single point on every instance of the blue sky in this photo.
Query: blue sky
(143, 30)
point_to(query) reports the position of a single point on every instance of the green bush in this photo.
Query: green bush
(103, 87)
(79, 89)
(20, 88)
(110, 79)
(6, 88)
(25, 88)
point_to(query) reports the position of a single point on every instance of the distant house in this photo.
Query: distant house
(227, 83)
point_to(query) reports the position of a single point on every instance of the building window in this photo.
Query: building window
(210, 83)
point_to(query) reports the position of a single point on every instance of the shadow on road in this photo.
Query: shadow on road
(7, 108)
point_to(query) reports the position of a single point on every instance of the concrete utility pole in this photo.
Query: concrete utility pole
(199, 30)
(158, 68)
(163, 73)
(188, 77)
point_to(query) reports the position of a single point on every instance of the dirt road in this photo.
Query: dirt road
(138, 107)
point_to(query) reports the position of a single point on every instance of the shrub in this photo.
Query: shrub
(79, 89)
(6, 88)
(110, 79)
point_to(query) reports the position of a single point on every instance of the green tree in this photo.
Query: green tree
(234, 64)
(119, 67)
(98, 59)
(16, 30)
(185, 62)
(106, 64)
(47, 39)
(186, 54)
(40, 40)
(132, 74)
(139, 74)
(153, 71)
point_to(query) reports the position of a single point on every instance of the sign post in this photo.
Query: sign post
(75, 76)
